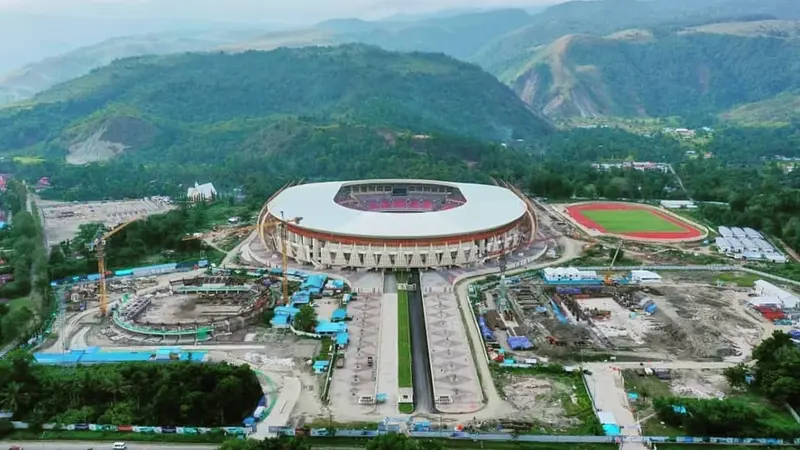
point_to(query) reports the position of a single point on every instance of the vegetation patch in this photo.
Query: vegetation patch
(404, 372)
(751, 405)
(551, 400)
(28, 159)
(175, 394)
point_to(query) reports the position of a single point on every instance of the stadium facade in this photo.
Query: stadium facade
(396, 224)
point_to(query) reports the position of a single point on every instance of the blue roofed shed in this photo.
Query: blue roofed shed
(280, 322)
(314, 283)
(342, 339)
(301, 298)
(286, 311)
(339, 315)
(320, 366)
(330, 328)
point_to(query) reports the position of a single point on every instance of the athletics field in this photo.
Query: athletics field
(632, 220)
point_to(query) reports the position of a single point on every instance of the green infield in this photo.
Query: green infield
(631, 221)
(404, 379)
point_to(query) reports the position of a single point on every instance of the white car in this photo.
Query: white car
(120, 446)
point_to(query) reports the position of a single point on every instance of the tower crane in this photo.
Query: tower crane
(608, 281)
(98, 245)
(284, 234)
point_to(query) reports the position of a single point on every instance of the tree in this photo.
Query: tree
(305, 319)
(396, 441)
(279, 443)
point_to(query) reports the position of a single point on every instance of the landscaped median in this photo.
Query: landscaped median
(404, 375)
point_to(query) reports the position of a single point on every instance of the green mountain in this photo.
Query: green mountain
(31, 79)
(459, 35)
(639, 73)
(215, 108)
(508, 54)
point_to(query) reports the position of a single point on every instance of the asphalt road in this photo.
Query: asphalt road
(80, 445)
(420, 362)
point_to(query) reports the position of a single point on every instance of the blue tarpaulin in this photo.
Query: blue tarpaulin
(519, 343)
(330, 328)
(339, 315)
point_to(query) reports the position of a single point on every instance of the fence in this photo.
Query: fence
(138, 429)
(506, 437)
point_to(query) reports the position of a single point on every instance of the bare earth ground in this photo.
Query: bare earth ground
(59, 227)
(541, 399)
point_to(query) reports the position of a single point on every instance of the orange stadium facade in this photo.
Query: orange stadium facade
(396, 224)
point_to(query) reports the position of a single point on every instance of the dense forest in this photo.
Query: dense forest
(743, 169)
(176, 101)
(174, 394)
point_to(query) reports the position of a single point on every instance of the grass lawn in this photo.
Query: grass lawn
(741, 279)
(405, 408)
(631, 221)
(404, 379)
(19, 303)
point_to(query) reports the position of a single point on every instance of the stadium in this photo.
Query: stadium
(396, 224)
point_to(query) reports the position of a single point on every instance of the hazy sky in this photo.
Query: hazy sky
(252, 10)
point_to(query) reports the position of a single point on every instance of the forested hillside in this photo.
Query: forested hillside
(155, 104)
(33, 78)
(657, 74)
(510, 53)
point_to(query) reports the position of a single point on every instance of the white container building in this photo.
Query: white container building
(735, 245)
(722, 244)
(725, 232)
(738, 232)
(644, 277)
(750, 246)
(775, 257)
(752, 234)
(568, 274)
(764, 246)
(766, 289)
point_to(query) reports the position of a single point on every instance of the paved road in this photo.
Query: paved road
(81, 445)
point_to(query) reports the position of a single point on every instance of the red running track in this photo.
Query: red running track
(689, 232)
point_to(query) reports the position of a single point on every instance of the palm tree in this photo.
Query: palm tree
(12, 396)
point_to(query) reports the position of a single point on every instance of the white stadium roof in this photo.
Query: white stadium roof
(487, 208)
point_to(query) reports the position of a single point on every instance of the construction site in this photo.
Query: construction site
(63, 219)
(691, 321)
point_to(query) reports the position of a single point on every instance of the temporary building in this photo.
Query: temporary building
(568, 273)
(766, 289)
(645, 276)
(725, 232)
(738, 232)
(339, 315)
(751, 233)
(330, 328)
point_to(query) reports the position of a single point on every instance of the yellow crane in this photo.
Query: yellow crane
(283, 234)
(608, 280)
(99, 247)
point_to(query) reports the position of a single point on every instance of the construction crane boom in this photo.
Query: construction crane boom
(608, 280)
(99, 247)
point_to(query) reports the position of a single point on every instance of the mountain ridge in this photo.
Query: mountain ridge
(196, 94)
(628, 73)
